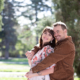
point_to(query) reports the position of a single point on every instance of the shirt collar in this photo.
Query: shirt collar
(68, 38)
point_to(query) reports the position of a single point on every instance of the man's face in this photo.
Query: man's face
(59, 33)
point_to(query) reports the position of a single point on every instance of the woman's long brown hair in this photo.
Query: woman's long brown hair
(52, 44)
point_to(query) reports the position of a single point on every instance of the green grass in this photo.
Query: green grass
(14, 67)
(14, 70)
(14, 63)
(15, 60)
(76, 78)
(11, 78)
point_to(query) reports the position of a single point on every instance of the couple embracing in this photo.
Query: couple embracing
(53, 58)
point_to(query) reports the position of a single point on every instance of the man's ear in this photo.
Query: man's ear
(65, 30)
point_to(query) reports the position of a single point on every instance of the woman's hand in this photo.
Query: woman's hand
(30, 74)
(29, 54)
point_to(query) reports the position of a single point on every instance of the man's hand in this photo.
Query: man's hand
(29, 54)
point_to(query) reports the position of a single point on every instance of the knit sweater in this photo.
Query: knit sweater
(63, 57)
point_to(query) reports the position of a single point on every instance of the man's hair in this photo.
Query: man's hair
(59, 23)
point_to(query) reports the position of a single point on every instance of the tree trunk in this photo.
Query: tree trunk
(6, 49)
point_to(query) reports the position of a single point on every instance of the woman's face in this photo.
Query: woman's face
(46, 37)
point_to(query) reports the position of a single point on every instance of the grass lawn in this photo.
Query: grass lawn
(76, 78)
(15, 60)
(10, 78)
(14, 65)
(14, 68)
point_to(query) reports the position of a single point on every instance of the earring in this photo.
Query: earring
(51, 41)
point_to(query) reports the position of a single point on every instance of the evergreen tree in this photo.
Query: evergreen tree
(1, 8)
(1, 32)
(8, 21)
(32, 10)
(39, 6)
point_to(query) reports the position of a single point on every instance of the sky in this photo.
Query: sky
(22, 21)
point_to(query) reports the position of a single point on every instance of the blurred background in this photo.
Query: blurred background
(21, 24)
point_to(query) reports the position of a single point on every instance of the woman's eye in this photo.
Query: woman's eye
(45, 32)
(50, 35)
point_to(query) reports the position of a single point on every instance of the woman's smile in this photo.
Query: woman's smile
(45, 38)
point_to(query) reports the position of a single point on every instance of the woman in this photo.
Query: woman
(46, 47)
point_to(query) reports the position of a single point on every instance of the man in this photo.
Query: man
(63, 55)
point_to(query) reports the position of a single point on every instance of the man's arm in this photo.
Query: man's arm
(35, 49)
(59, 54)
(31, 53)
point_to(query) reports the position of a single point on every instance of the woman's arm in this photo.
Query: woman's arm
(45, 72)
(41, 73)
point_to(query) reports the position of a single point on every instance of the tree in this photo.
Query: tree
(39, 6)
(1, 8)
(26, 40)
(31, 10)
(42, 23)
(1, 32)
(68, 11)
(8, 21)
